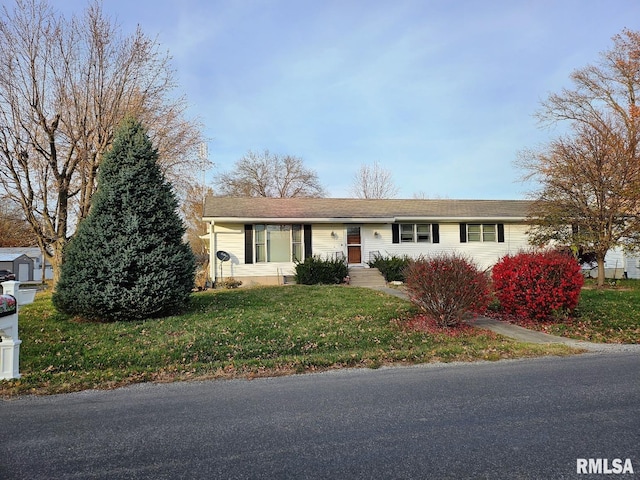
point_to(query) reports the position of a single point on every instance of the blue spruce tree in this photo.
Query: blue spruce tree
(128, 260)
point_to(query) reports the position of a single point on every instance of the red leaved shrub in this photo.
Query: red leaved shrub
(537, 285)
(447, 287)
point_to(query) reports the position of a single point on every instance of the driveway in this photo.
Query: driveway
(516, 419)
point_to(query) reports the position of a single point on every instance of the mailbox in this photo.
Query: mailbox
(8, 305)
(9, 341)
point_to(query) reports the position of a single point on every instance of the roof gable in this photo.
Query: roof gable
(12, 257)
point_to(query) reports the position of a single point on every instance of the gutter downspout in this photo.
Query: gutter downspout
(212, 252)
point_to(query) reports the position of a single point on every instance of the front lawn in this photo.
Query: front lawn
(606, 315)
(244, 332)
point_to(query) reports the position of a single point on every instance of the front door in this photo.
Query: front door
(354, 245)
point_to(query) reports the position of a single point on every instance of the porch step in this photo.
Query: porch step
(366, 277)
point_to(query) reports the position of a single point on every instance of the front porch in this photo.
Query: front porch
(366, 277)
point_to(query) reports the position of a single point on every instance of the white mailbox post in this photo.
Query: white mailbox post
(10, 344)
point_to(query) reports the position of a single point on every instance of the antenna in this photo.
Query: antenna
(203, 151)
(203, 155)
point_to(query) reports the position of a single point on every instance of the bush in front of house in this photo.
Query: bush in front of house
(391, 267)
(537, 285)
(128, 260)
(228, 283)
(316, 270)
(447, 287)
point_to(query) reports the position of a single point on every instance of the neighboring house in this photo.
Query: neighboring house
(617, 264)
(264, 237)
(19, 264)
(35, 254)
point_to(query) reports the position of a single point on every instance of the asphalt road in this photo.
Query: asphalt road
(510, 419)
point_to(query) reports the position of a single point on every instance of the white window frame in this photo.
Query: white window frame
(263, 244)
(415, 236)
(484, 233)
(407, 236)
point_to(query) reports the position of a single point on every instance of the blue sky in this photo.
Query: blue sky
(440, 92)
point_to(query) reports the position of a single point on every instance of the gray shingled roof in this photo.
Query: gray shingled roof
(345, 209)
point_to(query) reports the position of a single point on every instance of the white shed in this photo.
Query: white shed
(19, 264)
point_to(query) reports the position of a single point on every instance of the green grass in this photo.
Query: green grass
(245, 332)
(607, 315)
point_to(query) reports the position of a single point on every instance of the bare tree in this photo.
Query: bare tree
(192, 211)
(373, 181)
(65, 85)
(422, 195)
(14, 229)
(589, 195)
(269, 175)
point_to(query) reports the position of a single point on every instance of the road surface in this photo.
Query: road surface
(522, 419)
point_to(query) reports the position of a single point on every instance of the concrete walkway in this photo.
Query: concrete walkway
(524, 335)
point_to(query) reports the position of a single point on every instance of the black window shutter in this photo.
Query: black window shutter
(463, 233)
(501, 232)
(395, 233)
(307, 241)
(248, 244)
(435, 233)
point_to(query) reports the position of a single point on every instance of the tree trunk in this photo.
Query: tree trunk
(601, 276)
(56, 260)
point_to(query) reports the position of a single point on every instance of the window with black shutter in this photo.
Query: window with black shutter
(395, 233)
(435, 231)
(463, 233)
(248, 244)
(307, 241)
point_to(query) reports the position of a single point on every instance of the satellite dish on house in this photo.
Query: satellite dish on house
(223, 256)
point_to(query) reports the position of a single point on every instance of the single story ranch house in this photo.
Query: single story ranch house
(260, 239)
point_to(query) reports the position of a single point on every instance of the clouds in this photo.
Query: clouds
(442, 93)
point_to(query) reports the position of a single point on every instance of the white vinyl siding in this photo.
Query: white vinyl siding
(329, 239)
(484, 254)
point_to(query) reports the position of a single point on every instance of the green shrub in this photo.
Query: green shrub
(447, 287)
(316, 270)
(391, 267)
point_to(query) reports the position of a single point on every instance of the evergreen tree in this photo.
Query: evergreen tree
(128, 260)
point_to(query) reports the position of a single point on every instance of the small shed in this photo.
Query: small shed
(19, 264)
(39, 261)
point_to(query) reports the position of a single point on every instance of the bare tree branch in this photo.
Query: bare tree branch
(65, 85)
(15, 231)
(373, 182)
(589, 193)
(269, 175)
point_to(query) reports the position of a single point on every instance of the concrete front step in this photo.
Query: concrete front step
(366, 277)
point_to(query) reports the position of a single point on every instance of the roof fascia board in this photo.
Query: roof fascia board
(296, 220)
(283, 220)
(461, 219)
